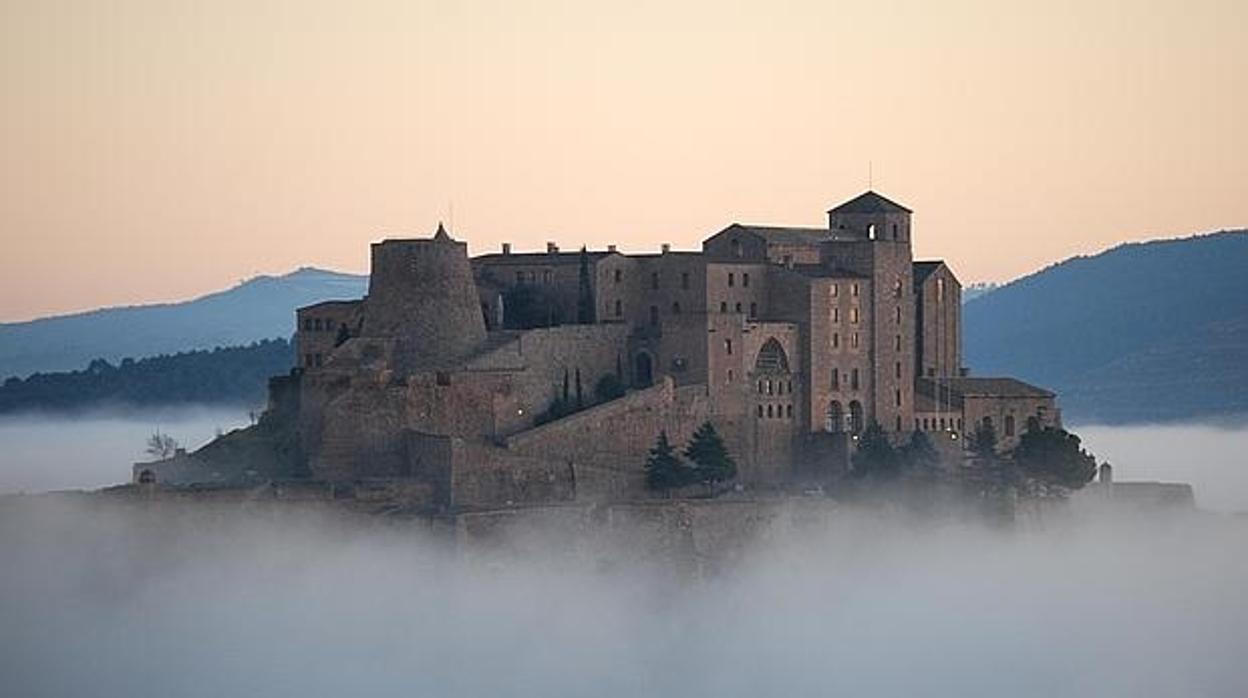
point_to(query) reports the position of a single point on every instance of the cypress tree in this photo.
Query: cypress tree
(585, 295)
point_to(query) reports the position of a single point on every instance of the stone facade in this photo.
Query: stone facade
(499, 378)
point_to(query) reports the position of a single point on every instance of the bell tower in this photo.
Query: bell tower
(871, 217)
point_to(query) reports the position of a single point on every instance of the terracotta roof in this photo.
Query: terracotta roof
(870, 202)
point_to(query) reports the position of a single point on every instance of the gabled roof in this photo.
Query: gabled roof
(782, 235)
(870, 202)
(924, 269)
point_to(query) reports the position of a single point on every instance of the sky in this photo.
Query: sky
(155, 150)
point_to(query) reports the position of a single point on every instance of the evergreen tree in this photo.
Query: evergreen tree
(585, 292)
(984, 442)
(709, 455)
(1056, 456)
(876, 456)
(919, 454)
(663, 468)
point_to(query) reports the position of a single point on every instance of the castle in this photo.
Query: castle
(535, 377)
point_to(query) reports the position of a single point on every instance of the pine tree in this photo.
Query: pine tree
(919, 453)
(663, 467)
(709, 455)
(876, 456)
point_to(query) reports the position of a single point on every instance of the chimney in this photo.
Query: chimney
(552, 248)
(610, 248)
(506, 248)
(667, 247)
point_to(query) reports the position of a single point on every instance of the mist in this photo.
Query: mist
(112, 600)
(109, 597)
(42, 452)
(1209, 457)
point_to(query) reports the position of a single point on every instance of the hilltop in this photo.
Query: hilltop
(1142, 332)
(257, 309)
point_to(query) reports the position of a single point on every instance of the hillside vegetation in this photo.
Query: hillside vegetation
(1142, 332)
(233, 375)
(259, 309)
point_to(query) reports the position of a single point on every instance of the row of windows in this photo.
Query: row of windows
(654, 279)
(930, 424)
(313, 360)
(547, 276)
(834, 290)
(837, 379)
(768, 387)
(318, 325)
(745, 279)
(853, 340)
(776, 411)
(723, 308)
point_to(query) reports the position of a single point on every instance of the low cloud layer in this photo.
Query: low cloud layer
(40, 452)
(106, 601)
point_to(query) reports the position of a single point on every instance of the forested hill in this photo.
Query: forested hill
(1142, 332)
(222, 376)
(261, 308)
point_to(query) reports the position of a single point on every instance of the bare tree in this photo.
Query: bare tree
(161, 446)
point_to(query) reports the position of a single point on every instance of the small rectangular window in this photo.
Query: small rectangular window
(853, 316)
(684, 280)
(654, 280)
(853, 290)
(732, 279)
(836, 379)
(853, 380)
(836, 340)
(745, 278)
(753, 310)
(853, 340)
(619, 308)
(728, 346)
(619, 276)
(723, 307)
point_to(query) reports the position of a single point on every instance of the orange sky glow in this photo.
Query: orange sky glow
(155, 150)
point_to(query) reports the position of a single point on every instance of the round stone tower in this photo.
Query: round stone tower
(421, 293)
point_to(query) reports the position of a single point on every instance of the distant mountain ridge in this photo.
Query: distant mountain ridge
(1148, 331)
(257, 309)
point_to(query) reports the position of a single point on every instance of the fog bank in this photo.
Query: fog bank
(42, 452)
(137, 602)
(1213, 459)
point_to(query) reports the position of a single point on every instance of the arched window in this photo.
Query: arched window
(1009, 425)
(835, 421)
(855, 417)
(771, 358)
(871, 231)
